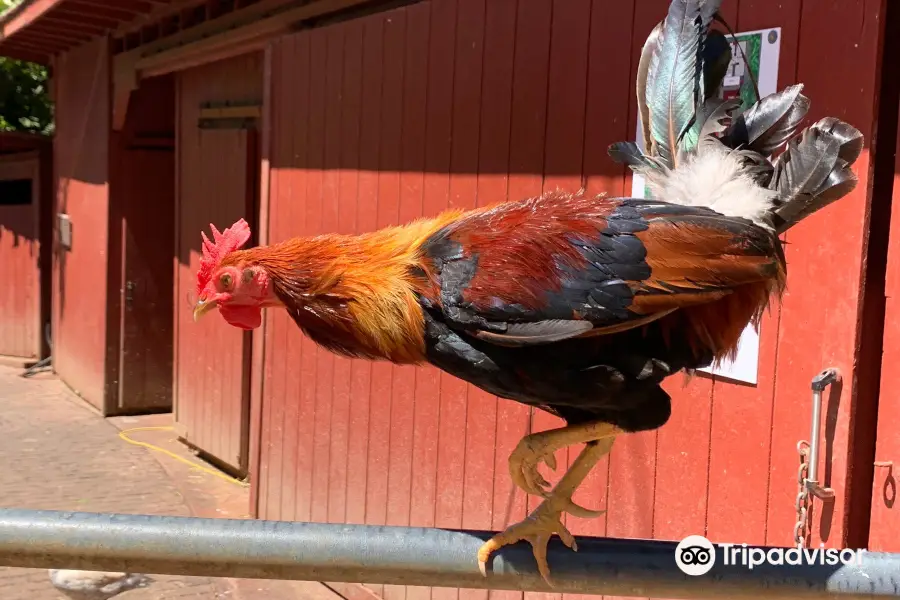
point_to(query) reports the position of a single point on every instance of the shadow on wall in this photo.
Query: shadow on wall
(219, 184)
(387, 94)
(25, 219)
(17, 214)
(20, 261)
(394, 93)
(81, 146)
(220, 165)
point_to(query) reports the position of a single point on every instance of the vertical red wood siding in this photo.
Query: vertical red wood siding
(466, 102)
(216, 168)
(512, 420)
(82, 90)
(20, 248)
(741, 417)
(885, 512)
(819, 323)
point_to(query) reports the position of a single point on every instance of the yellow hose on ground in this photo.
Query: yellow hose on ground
(124, 435)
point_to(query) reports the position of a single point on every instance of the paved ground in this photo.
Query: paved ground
(58, 454)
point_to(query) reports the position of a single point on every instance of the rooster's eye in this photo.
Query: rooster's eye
(225, 280)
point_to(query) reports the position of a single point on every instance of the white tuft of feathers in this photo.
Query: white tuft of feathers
(95, 585)
(715, 178)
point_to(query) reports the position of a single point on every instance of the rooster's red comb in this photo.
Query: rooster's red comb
(222, 243)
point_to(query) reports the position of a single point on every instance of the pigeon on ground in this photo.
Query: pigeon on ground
(95, 585)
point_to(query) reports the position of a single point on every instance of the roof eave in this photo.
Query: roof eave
(22, 15)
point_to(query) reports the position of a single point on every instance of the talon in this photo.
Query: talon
(484, 554)
(539, 545)
(550, 460)
(529, 480)
(539, 526)
(536, 478)
(536, 529)
(567, 538)
(581, 512)
(531, 451)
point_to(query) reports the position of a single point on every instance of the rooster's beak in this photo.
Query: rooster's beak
(202, 307)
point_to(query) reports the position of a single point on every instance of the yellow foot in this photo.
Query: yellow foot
(537, 529)
(531, 451)
(538, 448)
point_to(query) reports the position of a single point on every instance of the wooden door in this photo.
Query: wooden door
(145, 371)
(884, 518)
(218, 185)
(19, 259)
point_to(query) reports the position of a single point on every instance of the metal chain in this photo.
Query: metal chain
(801, 504)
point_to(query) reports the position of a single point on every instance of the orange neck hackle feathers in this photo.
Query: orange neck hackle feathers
(356, 295)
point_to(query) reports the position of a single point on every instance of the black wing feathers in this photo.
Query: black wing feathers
(596, 291)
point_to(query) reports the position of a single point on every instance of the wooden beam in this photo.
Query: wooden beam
(24, 15)
(27, 46)
(106, 23)
(70, 35)
(165, 10)
(231, 35)
(152, 143)
(129, 6)
(228, 36)
(108, 11)
(226, 22)
(58, 23)
(38, 41)
(27, 54)
(251, 111)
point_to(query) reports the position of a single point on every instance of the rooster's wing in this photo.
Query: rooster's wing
(563, 266)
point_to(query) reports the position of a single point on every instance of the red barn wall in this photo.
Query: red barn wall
(452, 103)
(216, 171)
(828, 304)
(82, 90)
(21, 246)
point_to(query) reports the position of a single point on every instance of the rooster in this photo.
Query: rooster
(577, 305)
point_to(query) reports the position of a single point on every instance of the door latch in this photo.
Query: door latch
(819, 384)
(807, 474)
(129, 293)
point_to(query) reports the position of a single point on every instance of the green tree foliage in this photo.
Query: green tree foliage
(24, 102)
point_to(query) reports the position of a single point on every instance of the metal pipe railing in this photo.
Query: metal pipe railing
(405, 555)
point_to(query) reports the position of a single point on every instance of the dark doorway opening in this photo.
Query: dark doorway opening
(142, 236)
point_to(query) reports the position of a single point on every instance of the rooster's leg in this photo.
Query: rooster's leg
(539, 447)
(545, 520)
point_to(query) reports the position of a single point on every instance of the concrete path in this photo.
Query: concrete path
(59, 454)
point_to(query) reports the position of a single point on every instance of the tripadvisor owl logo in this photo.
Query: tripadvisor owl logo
(695, 555)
